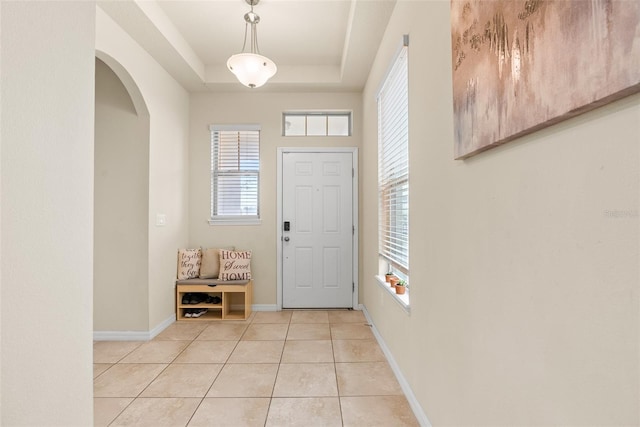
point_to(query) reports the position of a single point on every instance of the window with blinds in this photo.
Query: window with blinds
(235, 173)
(393, 168)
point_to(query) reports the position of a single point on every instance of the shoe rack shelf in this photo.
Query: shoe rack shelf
(220, 311)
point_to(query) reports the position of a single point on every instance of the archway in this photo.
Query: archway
(121, 201)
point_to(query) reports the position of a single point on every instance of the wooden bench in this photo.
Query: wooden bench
(214, 288)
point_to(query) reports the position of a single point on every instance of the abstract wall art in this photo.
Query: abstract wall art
(522, 65)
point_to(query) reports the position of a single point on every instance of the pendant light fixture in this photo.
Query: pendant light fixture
(250, 68)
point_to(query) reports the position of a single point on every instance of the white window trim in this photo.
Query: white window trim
(402, 300)
(237, 220)
(253, 221)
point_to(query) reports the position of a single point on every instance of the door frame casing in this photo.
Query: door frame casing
(354, 182)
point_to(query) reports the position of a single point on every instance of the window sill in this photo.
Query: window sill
(235, 221)
(402, 300)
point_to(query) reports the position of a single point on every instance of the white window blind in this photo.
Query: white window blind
(235, 173)
(393, 166)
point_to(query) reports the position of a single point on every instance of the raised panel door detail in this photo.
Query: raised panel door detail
(304, 168)
(331, 267)
(304, 209)
(304, 267)
(331, 169)
(331, 209)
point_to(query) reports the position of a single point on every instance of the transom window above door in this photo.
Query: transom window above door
(316, 123)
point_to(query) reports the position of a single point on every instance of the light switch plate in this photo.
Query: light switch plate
(161, 220)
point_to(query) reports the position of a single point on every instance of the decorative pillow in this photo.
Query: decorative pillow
(235, 265)
(189, 263)
(210, 267)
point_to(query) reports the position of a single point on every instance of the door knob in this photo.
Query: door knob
(286, 239)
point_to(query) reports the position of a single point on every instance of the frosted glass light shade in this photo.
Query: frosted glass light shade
(251, 69)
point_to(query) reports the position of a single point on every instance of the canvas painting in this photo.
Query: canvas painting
(521, 65)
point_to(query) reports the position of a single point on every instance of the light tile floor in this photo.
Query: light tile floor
(288, 368)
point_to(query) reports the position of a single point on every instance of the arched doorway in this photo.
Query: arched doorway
(121, 202)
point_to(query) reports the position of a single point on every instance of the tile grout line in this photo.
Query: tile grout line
(275, 380)
(214, 380)
(335, 370)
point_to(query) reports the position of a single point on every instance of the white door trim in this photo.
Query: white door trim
(281, 151)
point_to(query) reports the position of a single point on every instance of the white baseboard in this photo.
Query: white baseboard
(264, 307)
(133, 335)
(256, 307)
(270, 307)
(413, 401)
(162, 326)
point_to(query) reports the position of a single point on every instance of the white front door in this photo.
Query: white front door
(317, 230)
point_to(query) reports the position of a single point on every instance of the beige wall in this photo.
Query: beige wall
(151, 87)
(524, 297)
(264, 109)
(47, 86)
(121, 201)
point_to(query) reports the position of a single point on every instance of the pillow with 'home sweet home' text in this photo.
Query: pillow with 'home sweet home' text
(235, 265)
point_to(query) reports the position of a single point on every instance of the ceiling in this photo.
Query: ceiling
(317, 45)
